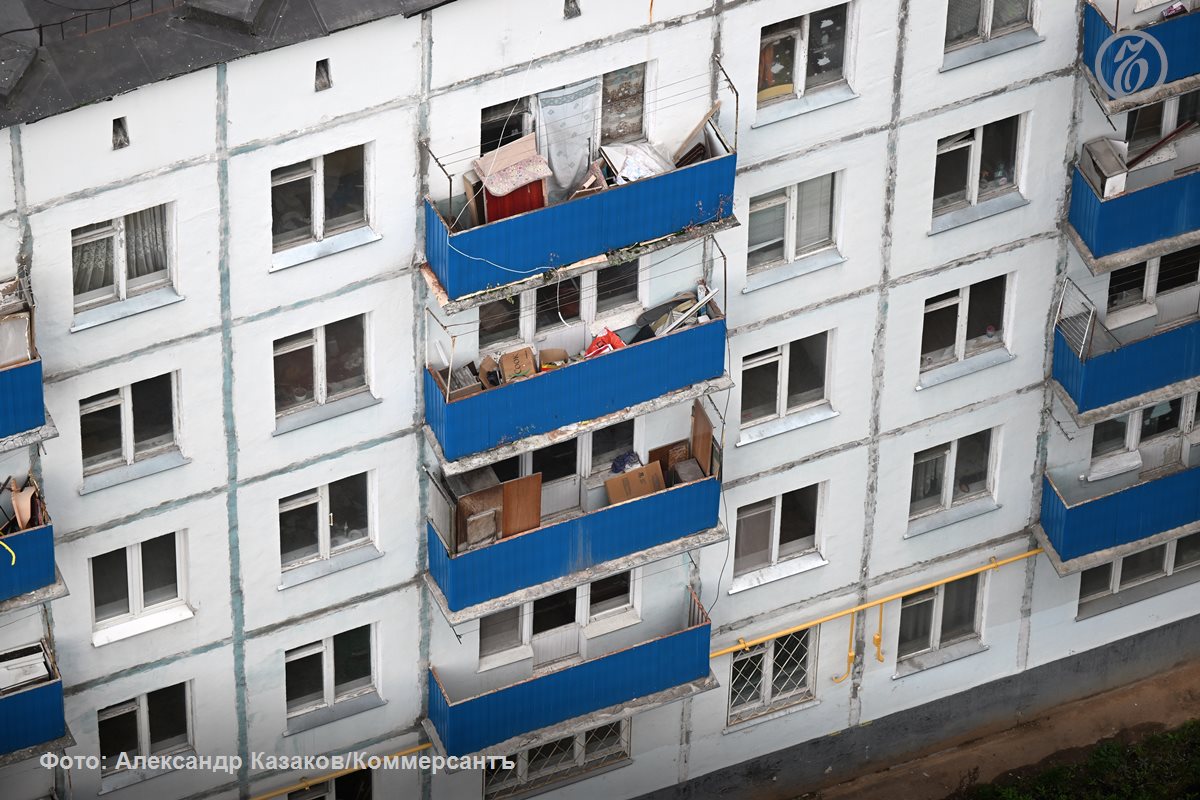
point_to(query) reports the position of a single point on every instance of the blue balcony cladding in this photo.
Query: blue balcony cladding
(21, 406)
(31, 717)
(561, 549)
(1139, 367)
(470, 725)
(1136, 218)
(1123, 517)
(582, 391)
(562, 234)
(1179, 37)
(34, 567)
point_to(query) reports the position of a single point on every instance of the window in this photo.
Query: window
(1149, 425)
(323, 79)
(610, 596)
(775, 529)
(558, 303)
(351, 786)
(323, 673)
(320, 197)
(1178, 270)
(772, 675)
(1144, 127)
(557, 761)
(136, 580)
(617, 286)
(499, 321)
(120, 134)
(1127, 286)
(610, 442)
(783, 379)
(1136, 569)
(1145, 281)
(149, 724)
(322, 522)
(937, 617)
(975, 165)
(791, 222)
(970, 21)
(500, 631)
(504, 123)
(321, 365)
(127, 424)
(801, 55)
(963, 323)
(119, 258)
(951, 473)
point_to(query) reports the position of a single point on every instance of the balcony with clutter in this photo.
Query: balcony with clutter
(27, 568)
(1173, 25)
(22, 409)
(31, 701)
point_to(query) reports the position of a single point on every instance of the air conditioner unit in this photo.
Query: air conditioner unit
(1103, 164)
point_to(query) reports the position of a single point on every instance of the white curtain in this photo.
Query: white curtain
(146, 242)
(567, 124)
(92, 263)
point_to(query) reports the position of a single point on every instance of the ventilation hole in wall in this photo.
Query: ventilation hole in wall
(323, 80)
(571, 9)
(120, 133)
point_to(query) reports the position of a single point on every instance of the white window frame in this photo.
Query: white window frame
(579, 764)
(986, 8)
(316, 340)
(780, 355)
(1114, 578)
(935, 629)
(633, 602)
(330, 696)
(800, 34)
(1149, 294)
(316, 172)
(124, 399)
(963, 302)
(790, 198)
(141, 706)
(767, 701)
(1170, 121)
(777, 522)
(975, 165)
(320, 498)
(1133, 427)
(121, 289)
(134, 590)
(951, 461)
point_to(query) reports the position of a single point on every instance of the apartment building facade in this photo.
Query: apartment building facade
(638, 392)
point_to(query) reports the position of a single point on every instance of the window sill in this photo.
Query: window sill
(952, 516)
(981, 51)
(143, 624)
(111, 312)
(311, 416)
(131, 472)
(804, 265)
(784, 569)
(616, 622)
(359, 554)
(339, 710)
(771, 714)
(1128, 316)
(1135, 594)
(503, 659)
(303, 253)
(1160, 156)
(821, 98)
(128, 777)
(793, 421)
(936, 658)
(959, 369)
(1008, 201)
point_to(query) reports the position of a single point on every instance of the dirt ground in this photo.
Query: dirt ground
(1061, 735)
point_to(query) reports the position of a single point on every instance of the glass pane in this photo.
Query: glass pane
(159, 581)
(602, 739)
(765, 244)
(1109, 436)
(153, 420)
(118, 734)
(1143, 566)
(1143, 128)
(1189, 108)
(100, 432)
(1009, 14)
(499, 321)
(554, 611)
(558, 303)
(1095, 581)
(798, 521)
(348, 510)
(971, 465)
(929, 470)
(92, 268)
(962, 21)
(298, 533)
(1187, 551)
(610, 594)
(826, 47)
(552, 756)
(745, 688)
(916, 623)
(556, 461)
(110, 585)
(789, 674)
(806, 370)
(985, 314)
(1161, 418)
(294, 379)
(776, 65)
(345, 205)
(501, 124)
(624, 96)
(355, 786)
(950, 178)
(752, 547)
(814, 214)
(345, 361)
(1176, 270)
(617, 286)
(998, 163)
(938, 335)
(499, 631)
(304, 682)
(760, 386)
(610, 442)
(168, 717)
(352, 660)
(1126, 286)
(958, 609)
(146, 247)
(291, 213)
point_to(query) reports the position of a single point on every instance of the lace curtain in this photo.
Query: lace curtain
(146, 242)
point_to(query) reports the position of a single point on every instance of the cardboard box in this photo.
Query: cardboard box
(517, 364)
(487, 367)
(636, 483)
(553, 358)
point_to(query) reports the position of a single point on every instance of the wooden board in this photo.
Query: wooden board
(702, 437)
(669, 455)
(522, 505)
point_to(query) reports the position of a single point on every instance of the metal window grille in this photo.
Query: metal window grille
(558, 761)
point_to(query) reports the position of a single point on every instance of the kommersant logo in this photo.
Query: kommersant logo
(1140, 61)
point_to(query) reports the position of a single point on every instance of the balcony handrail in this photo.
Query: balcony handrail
(1149, 23)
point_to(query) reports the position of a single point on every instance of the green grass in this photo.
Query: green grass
(1163, 766)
